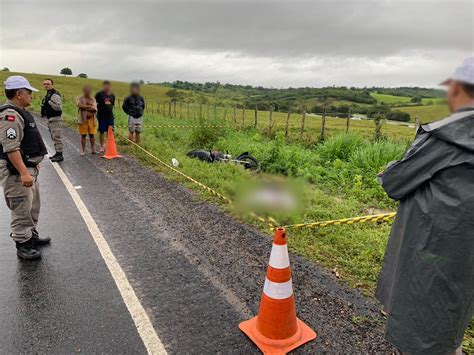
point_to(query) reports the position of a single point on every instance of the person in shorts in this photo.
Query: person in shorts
(87, 123)
(134, 106)
(105, 110)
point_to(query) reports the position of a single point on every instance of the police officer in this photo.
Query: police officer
(51, 108)
(21, 150)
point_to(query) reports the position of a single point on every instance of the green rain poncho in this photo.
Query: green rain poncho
(427, 280)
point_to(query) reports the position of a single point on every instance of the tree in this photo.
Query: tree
(82, 75)
(398, 116)
(416, 100)
(5, 69)
(66, 71)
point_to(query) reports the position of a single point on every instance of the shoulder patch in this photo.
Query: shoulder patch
(10, 118)
(11, 133)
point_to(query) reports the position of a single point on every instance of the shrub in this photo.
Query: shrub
(398, 116)
(372, 158)
(340, 147)
(205, 137)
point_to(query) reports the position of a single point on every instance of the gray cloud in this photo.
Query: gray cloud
(279, 43)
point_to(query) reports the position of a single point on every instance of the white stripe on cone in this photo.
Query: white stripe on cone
(279, 257)
(278, 290)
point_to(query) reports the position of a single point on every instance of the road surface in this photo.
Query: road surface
(139, 263)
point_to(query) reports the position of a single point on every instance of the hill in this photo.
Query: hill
(70, 86)
(297, 97)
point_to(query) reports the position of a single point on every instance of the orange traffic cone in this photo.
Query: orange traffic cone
(111, 148)
(276, 330)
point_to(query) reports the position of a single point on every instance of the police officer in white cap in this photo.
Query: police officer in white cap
(21, 150)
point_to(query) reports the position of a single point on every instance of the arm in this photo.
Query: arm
(423, 160)
(80, 105)
(125, 106)
(93, 107)
(56, 102)
(11, 135)
(17, 160)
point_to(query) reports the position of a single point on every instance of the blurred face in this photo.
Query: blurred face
(24, 97)
(87, 91)
(135, 89)
(48, 85)
(107, 88)
(454, 92)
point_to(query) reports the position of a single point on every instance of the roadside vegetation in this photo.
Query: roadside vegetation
(335, 176)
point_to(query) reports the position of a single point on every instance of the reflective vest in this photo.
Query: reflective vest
(46, 109)
(32, 145)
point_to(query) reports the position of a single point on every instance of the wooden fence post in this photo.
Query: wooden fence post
(378, 126)
(235, 114)
(169, 108)
(200, 111)
(347, 121)
(174, 108)
(287, 124)
(187, 110)
(225, 113)
(303, 119)
(270, 121)
(243, 115)
(256, 117)
(322, 135)
(417, 123)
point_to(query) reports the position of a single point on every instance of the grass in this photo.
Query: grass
(427, 113)
(390, 99)
(333, 179)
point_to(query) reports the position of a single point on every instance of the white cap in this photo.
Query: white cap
(464, 73)
(18, 82)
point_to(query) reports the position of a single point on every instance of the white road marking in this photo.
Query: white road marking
(78, 187)
(143, 324)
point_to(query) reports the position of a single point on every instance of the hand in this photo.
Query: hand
(27, 180)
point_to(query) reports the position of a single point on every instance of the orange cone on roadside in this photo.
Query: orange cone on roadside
(111, 148)
(276, 330)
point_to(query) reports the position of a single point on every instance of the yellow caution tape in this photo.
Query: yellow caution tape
(271, 222)
(383, 217)
(212, 191)
(180, 126)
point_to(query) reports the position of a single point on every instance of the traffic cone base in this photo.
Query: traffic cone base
(276, 329)
(303, 335)
(111, 148)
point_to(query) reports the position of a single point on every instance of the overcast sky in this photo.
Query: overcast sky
(258, 42)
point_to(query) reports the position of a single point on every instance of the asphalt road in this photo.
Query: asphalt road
(195, 271)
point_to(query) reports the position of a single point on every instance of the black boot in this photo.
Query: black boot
(27, 250)
(39, 242)
(53, 156)
(57, 158)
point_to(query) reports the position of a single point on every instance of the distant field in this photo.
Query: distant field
(427, 113)
(390, 99)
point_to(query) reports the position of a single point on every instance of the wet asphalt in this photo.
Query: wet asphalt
(197, 272)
